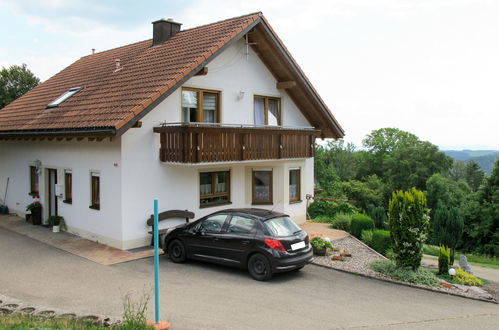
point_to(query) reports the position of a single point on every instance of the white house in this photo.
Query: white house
(218, 116)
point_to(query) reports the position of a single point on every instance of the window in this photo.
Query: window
(294, 185)
(267, 111)
(214, 188)
(241, 225)
(64, 97)
(201, 106)
(33, 179)
(281, 227)
(68, 187)
(262, 187)
(95, 186)
(213, 224)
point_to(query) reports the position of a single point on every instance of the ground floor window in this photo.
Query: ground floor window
(262, 187)
(68, 187)
(33, 178)
(95, 191)
(294, 185)
(214, 188)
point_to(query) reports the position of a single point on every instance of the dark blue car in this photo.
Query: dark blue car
(262, 241)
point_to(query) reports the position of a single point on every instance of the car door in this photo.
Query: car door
(204, 243)
(238, 239)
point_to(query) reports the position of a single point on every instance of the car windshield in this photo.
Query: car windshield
(282, 226)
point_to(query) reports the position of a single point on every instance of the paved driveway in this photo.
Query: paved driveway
(202, 296)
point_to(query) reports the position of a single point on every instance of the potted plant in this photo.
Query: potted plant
(36, 212)
(320, 245)
(57, 222)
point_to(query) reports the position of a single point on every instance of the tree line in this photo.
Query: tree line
(391, 160)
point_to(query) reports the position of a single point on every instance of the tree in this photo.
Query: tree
(409, 220)
(448, 228)
(457, 170)
(14, 82)
(402, 160)
(442, 190)
(473, 175)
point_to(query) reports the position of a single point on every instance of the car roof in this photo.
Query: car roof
(260, 213)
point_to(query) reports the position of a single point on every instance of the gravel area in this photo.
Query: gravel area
(362, 255)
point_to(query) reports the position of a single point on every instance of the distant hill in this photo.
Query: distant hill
(484, 158)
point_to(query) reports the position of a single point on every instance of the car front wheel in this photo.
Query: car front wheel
(176, 251)
(259, 267)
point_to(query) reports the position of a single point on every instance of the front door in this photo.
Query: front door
(52, 197)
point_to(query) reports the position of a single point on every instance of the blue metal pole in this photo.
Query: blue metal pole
(156, 263)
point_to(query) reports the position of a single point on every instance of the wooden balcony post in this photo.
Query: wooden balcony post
(243, 146)
(281, 145)
(197, 146)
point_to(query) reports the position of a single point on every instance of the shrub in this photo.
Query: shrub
(409, 220)
(320, 243)
(381, 241)
(342, 221)
(324, 219)
(134, 312)
(448, 228)
(465, 278)
(443, 260)
(378, 214)
(328, 208)
(359, 223)
(418, 276)
(366, 236)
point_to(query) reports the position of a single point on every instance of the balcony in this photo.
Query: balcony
(207, 143)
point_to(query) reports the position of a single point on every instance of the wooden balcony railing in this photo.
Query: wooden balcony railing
(200, 143)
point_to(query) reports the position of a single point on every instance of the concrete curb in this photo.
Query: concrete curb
(404, 283)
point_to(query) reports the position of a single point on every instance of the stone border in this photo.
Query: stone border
(10, 305)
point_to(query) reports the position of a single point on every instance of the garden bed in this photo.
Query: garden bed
(362, 255)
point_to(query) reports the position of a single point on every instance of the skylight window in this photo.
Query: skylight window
(64, 97)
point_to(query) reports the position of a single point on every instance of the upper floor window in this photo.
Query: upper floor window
(267, 111)
(200, 106)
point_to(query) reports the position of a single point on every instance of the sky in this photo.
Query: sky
(429, 67)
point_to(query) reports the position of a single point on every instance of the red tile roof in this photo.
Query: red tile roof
(112, 100)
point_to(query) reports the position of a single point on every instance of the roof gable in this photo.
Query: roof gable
(113, 100)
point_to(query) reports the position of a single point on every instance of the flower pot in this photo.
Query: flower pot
(56, 229)
(36, 216)
(320, 252)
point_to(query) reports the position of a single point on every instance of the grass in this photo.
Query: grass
(24, 321)
(419, 276)
(472, 258)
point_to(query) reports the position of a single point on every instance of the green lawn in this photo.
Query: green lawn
(472, 259)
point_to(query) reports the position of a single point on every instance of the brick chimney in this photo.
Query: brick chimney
(163, 30)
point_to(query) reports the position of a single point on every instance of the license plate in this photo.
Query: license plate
(299, 245)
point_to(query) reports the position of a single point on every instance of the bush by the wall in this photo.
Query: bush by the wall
(328, 208)
(324, 219)
(378, 214)
(409, 220)
(359, 223)
(443, 260)
(381, 241)
(342, 221)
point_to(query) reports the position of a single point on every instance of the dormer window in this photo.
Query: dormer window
(64, 97)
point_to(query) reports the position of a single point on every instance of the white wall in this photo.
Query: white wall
(81, 157)
(176, 186)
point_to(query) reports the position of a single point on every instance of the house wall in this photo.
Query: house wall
(176, 186)
(81, 157)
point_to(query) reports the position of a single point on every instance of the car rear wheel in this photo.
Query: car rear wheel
(259, 267)
(176, 251)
